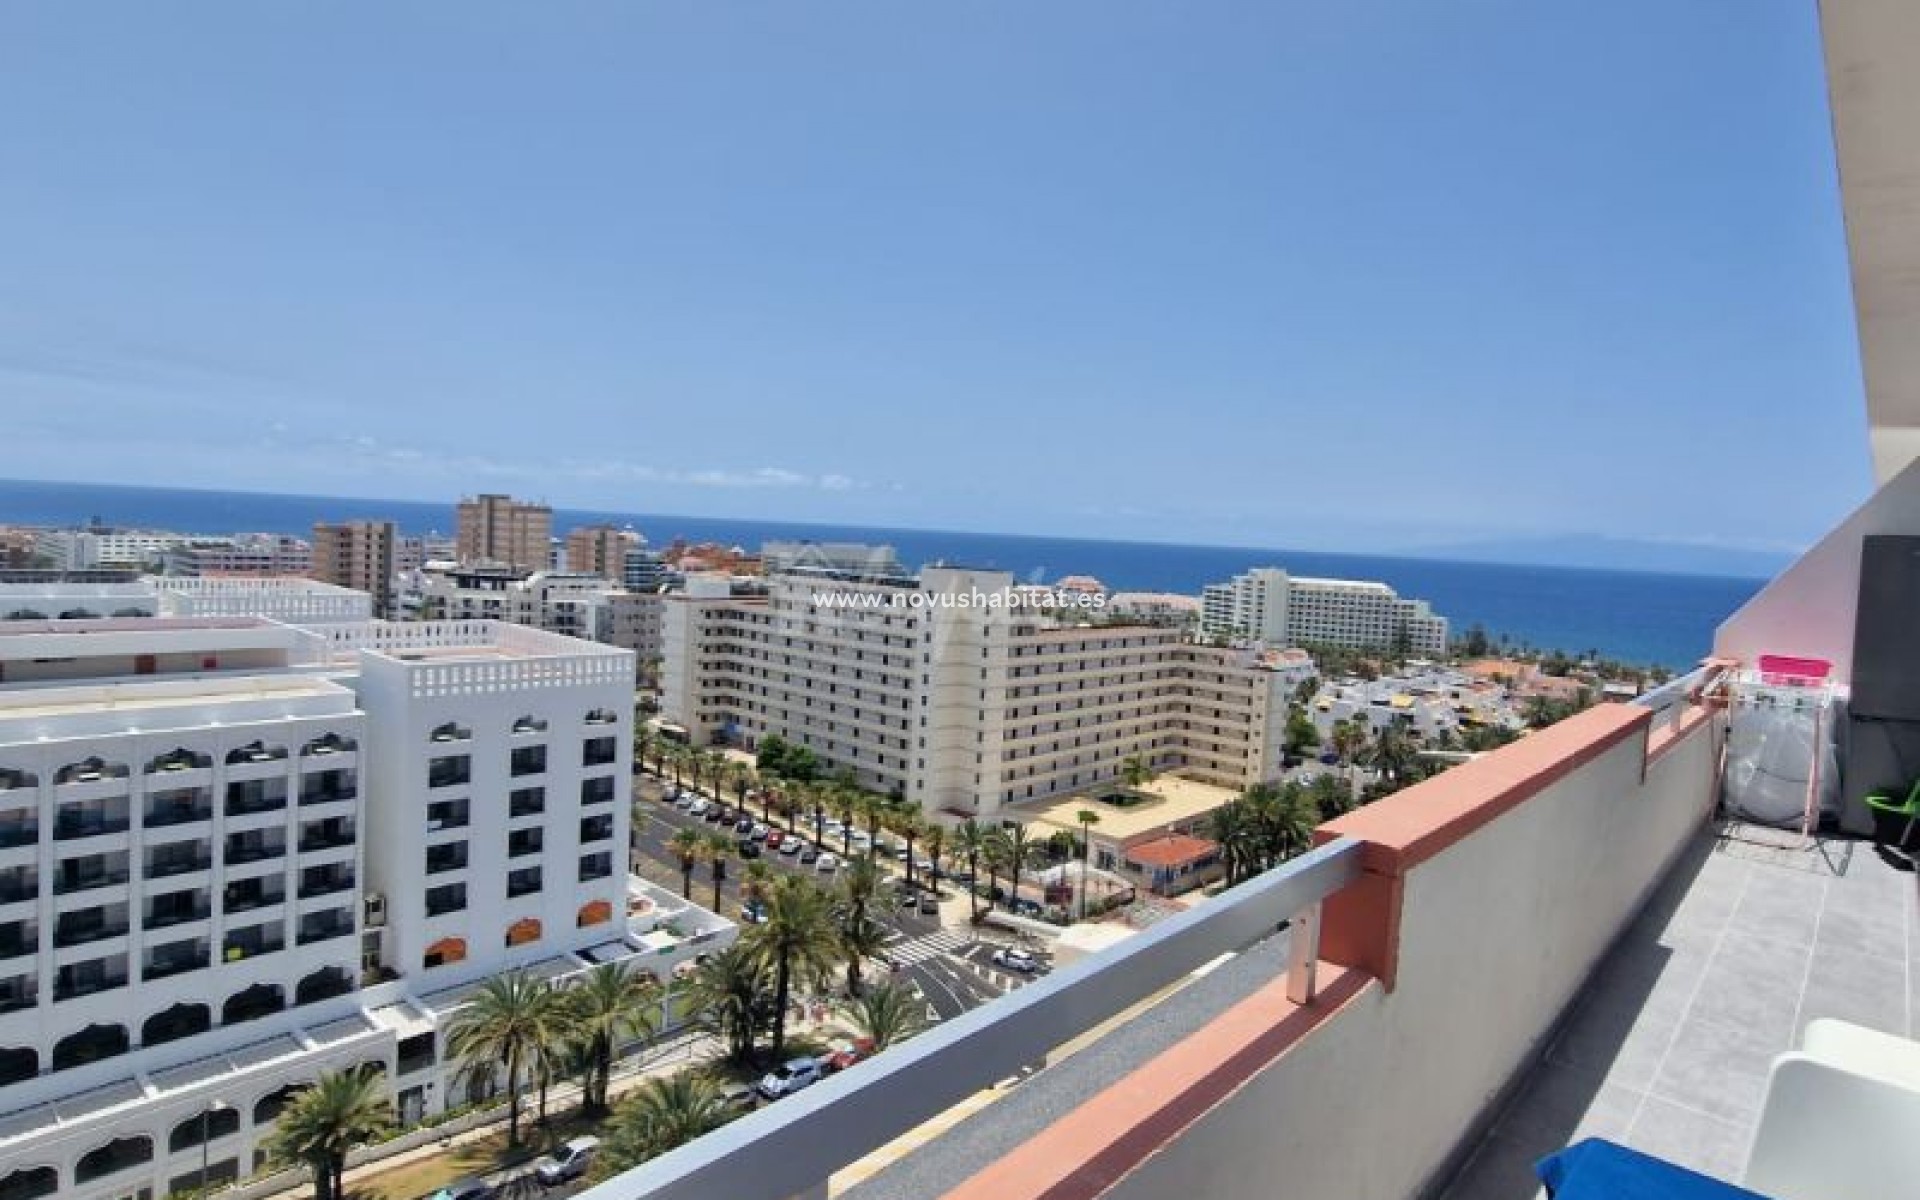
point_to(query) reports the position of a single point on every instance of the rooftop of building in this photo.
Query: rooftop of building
(128, 699)
(1170, 850)
(1160, 802)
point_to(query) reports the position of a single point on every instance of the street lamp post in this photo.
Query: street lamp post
(206, 1141)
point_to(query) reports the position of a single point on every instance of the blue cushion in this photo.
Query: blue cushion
(1597, 1169)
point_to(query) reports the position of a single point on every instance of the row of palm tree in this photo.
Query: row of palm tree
(1271, 822)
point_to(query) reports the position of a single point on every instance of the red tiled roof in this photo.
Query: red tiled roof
(1172, 850)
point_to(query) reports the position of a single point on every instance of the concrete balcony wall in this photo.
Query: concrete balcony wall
(1808, 609)
(1490, 894)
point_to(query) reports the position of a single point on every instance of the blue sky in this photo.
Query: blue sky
(1358, 276)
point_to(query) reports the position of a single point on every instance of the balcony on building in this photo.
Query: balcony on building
(79, 926)
(450, 856)
(247, 797)
(245, 895)
(325, 881)
(321, 926)
(450, 814)
(90, 978)
(18, 884)
(178, 858)
(90, 818)
(18, 991)
(89, 871)
(19, 937)
(177, 806)
(176, 958)
(324, 787)
(253, 941)
(329, 834)
(256, 845)
(449, 771)
(176, 908)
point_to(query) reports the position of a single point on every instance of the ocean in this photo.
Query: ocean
(1638, 617)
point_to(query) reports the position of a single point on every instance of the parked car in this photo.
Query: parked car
(844, 1052)
(718, 812)
(774, 836)
(759, 831)
(926, 869)
(1015, 960)
(570, 1161)
(789, 1077)
(929, 904)
(470, 1188)
(793, 844)
(743, 825)
(683, 800)
(902, 854)
(740, 1097)
(810, 853)
(753, 913)
(698, 808)
(826, 862)
(748, 848)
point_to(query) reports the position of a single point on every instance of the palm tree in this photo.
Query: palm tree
(743, 776)
(690, 846)
(798, 938)
(716, 764)
(970, 841)
(644, 740)
(845, 806)
(936, 842)
(911, 826)
(1392, 753)
(340, 1110)
(756, 882)
(661, 1115)
(515, 1019)
(1088, 819)
(861, 937)
(1349, 739)
(874, 808)
(611, 1004)
(731, 990)
(996, 851)
(1233, 832)
(888, 1013)
(718, 850)
(1017, 854)
(675, 756)
(1135, 772)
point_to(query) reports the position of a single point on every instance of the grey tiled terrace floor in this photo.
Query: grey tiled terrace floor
(1668, 1048)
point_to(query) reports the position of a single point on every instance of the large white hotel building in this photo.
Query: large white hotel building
(236, 852)
(962, 710)
(1271, 606)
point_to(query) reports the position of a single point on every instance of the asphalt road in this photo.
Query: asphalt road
(657, 822)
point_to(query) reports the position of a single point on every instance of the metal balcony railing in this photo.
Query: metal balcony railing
(786, 1149)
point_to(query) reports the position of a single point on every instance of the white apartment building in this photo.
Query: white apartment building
(962, 709)
(242, 554)
(84, 549)
(76, 600)
(578, 604)
(1268, 605)
(214, 830)
(292, 599)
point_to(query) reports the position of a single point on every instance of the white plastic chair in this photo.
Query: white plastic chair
(1830, 1133)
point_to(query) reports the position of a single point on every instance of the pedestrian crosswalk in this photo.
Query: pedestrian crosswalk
(930, 945)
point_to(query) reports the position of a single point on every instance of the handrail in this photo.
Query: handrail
(788, 1147)
(1671, 699)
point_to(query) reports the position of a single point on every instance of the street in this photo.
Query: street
(949, 965)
